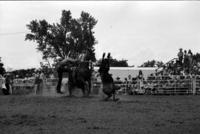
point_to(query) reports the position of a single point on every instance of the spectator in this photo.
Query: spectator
(2, 69)
(165, 70)
(118, 81)
(129, 85)
(171, 67)
(180, 56)
(129, 77)
(126, 85)
(186, 62)
(39, 79)
(134, 80)
(176, 71)
(140, 75)
(190, 57)
(140, 79)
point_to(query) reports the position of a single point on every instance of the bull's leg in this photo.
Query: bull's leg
(60, 75)
(113, 96)
(108, 97)
(85, 89)
(89, 86)
(70, 89)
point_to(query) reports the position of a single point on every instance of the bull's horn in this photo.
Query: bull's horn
(108, 55)
(103, 55)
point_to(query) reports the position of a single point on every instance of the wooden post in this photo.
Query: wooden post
(193, 86)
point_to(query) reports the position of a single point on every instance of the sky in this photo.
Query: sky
(137, 31)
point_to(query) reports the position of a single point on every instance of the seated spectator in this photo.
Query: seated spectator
(118, 81)
(140, 75)
(134, 80)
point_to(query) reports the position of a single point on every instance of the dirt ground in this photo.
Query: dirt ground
(131, 115)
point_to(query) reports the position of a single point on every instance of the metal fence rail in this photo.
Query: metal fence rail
(197, 86)
(166, 87)
(170, 87)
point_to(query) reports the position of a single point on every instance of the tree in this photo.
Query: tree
(118, 63)
(22, 73)
(115, 63)
(69, 37)
(46, 69)
(152, 63)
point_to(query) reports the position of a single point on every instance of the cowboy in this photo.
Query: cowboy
(105, 65)
(108, 86)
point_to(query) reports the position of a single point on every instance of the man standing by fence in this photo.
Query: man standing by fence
(39, 82)
(2, 69)
(2, 79)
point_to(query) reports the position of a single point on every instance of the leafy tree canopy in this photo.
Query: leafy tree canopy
(22, 73)
(68, 37)
(115, 63)
(152, 63)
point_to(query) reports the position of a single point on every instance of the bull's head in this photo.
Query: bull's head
(66, 64)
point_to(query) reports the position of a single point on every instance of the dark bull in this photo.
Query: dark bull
(79, 75)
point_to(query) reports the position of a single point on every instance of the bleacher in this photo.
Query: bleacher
(173, 86)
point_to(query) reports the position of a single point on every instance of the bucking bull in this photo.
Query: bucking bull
(79, 75)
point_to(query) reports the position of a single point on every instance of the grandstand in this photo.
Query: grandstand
(123, 72)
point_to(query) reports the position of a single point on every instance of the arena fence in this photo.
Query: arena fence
(170, 87)
(197, 88)
(159, 87)
(153, 87)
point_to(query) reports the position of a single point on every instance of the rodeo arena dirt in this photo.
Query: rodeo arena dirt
(159, 103)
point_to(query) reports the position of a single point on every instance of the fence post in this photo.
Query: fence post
(193, 86)
(175, 87)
